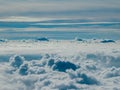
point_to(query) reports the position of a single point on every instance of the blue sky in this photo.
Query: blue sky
(60, 8)
(68, 14)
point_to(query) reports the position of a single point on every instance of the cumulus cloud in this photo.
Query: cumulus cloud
(53, 71)
(112, 72)
(75, 64)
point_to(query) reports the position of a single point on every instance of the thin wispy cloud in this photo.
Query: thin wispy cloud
(60, 12)
(54, 8)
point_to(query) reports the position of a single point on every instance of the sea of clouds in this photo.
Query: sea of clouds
(78, 71)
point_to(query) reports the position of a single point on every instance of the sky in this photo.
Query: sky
(82, 12)
(60, 8)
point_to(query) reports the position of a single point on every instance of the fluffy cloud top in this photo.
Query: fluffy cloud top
(60, 65)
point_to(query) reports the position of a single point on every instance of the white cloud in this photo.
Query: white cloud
(24, 19)
(93, 72)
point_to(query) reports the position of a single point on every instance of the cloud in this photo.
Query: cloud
(54, 8)
(50, 65)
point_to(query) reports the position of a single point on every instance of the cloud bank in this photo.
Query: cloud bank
(82, 65)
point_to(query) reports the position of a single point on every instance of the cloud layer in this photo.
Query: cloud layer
(54, 8)
(60, 65)
(60, 12)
